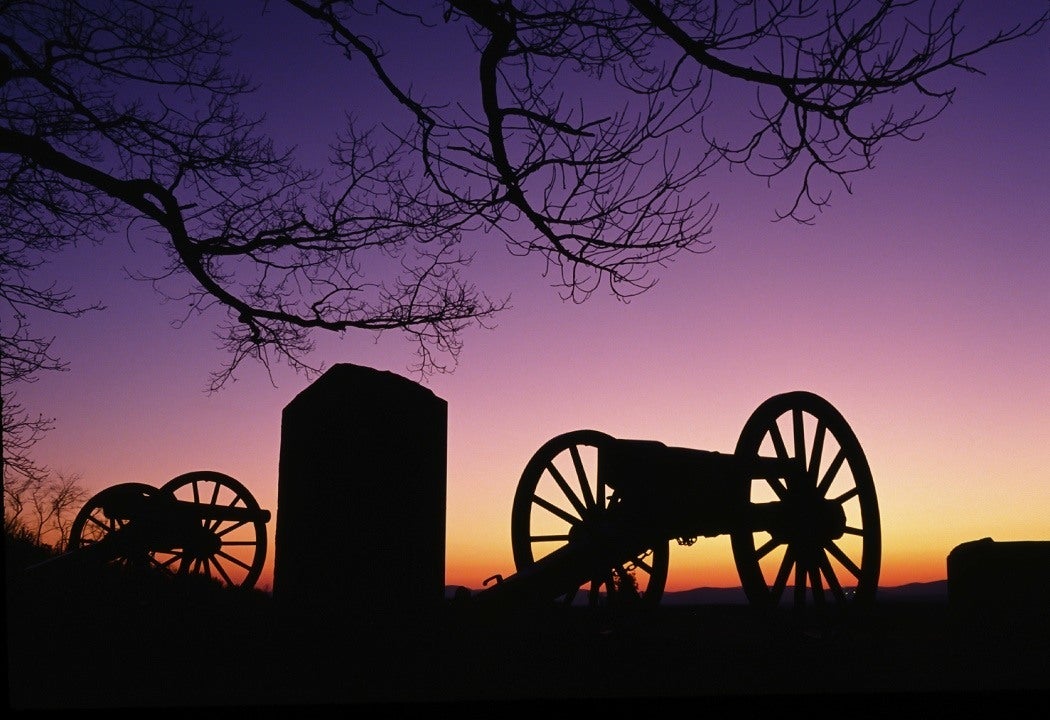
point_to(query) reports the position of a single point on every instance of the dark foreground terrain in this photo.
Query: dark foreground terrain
(99, 642)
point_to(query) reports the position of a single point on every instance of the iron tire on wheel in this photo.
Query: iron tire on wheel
(241, 545)
(559, 488)
(93, 524)
(823, 572)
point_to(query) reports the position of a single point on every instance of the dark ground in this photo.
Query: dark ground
(91, 642)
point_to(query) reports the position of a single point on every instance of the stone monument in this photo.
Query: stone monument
(361, 499)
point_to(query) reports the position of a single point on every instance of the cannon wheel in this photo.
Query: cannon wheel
(807, 570)
(560, 488)
(237, 552)
(93, 524)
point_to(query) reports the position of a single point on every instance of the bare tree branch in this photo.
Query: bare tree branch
(612, 188)
(119, 115)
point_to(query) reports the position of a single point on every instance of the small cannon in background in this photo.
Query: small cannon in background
(201, 523)
(596, 513)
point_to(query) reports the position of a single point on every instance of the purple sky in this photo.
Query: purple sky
(918, 306)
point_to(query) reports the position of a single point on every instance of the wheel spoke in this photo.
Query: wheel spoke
(800, 434)
(175, 557)
(108, 527)
(555, 510)
(222, 571)
(570, 495)
(817, 452)
(843, 558)
(816, 585)
(833, 470)
(767, 548)
(778, 441)
(234, 526)
(783, 574)
(549, 538)
(848, 495)
(581, 475)
(231, 558)
(778, 487)
(833, 582)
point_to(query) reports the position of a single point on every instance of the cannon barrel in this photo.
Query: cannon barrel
(680, 492)
(136, 507)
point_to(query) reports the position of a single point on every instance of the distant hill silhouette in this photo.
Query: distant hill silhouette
(912, 592)
(936, 591)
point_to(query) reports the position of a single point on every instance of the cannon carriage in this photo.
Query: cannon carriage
(593, 516)
(200, 523)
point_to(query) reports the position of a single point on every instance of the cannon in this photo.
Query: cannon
(200, 523)
(593, 516)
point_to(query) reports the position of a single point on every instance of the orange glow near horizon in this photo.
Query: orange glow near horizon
(708, 563)
(685, 575)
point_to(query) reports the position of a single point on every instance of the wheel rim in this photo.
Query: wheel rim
(798, 569)
(95, 524)
(229, 551)
(560, 489)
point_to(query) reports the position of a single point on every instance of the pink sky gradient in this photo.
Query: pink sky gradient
(919, 306)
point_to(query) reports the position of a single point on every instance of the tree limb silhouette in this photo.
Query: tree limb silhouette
(120, 116)
(611, 187)
(585, 136)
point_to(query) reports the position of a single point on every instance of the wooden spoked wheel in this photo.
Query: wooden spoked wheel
(102, 526)
(826, 548)
(225, 542)
(558, 492)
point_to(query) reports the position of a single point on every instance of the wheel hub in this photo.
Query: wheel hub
(202, 543)
(809, 520)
